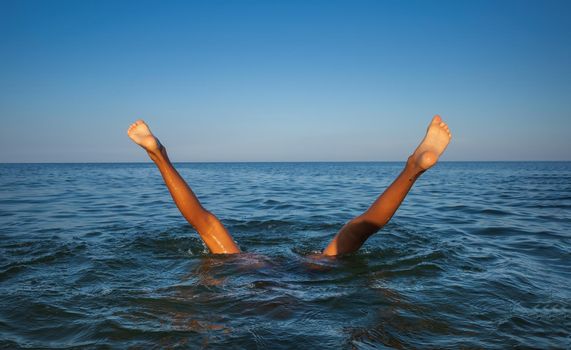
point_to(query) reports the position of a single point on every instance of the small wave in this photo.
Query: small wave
(168, 243)
(422, 269)
(10, 271)
(42, 253)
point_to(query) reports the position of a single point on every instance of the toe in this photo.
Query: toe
(436, 119)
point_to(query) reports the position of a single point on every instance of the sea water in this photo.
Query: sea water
(98, 256)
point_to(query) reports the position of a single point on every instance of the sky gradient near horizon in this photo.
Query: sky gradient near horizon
(284, 80)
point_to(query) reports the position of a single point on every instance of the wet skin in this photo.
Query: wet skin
(351, 236)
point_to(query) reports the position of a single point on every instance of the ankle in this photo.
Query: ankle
(159, 154)
(412, 167)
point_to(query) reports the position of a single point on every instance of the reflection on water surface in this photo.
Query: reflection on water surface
(477, 257)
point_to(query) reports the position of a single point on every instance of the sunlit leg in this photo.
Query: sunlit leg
(210, 229)
(352, 236)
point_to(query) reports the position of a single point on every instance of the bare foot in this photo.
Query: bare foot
(433, 145)
(140, 133)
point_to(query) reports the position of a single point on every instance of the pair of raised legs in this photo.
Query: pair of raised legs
(351, 236)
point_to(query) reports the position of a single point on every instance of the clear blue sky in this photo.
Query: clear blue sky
(284, 80)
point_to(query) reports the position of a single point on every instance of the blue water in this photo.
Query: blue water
(97, 256)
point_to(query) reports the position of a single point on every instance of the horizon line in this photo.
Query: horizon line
(297, 161)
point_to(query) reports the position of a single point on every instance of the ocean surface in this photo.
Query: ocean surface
(98, 256)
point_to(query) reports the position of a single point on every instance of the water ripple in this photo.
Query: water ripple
(477, 257)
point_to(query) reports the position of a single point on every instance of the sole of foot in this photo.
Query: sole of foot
(140, 133)
(433, 145)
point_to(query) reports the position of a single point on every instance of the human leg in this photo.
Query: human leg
(352, 236)
(210, 229)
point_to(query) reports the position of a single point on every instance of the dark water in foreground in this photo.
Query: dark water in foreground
(97, 256)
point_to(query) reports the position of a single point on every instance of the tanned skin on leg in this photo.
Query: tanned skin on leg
(210, 229)
(352, 236)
